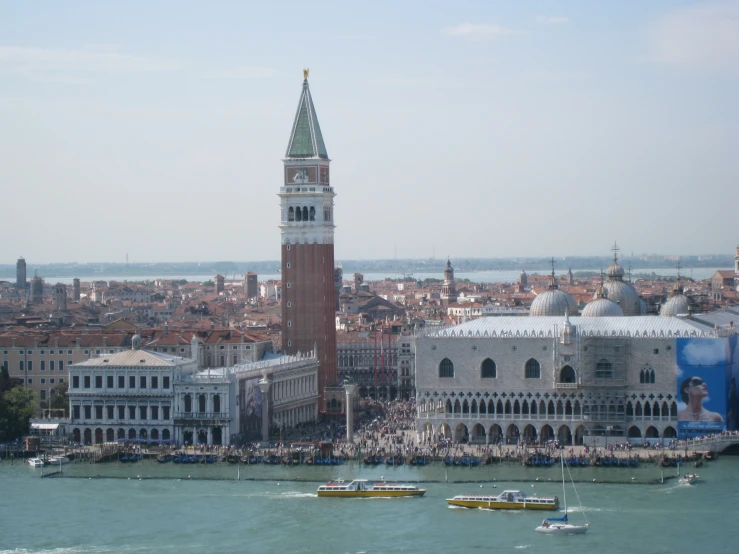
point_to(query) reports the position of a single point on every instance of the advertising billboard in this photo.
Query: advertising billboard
(251, 408)
(704, 373)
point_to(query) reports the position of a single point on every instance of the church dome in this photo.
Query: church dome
(615, 271)
(602, 307)
(624, 294)
(553, 302)
(677, 304)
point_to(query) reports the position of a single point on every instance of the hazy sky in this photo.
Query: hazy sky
(468, 129)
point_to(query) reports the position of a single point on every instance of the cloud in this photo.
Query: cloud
(479, 31)
(704, 37)
(551, 19)
(704, 353)
(243, 72)
(33, 62)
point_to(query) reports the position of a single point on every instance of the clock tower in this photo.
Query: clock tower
(307, 235)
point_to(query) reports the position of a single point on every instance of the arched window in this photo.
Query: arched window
(446, 368)
(291, 214)
(642, 376)
(567, 375)
(217, 403)
(298, 214)
(488, 369)
(201, 404)
(188, 403)
(651, 376)
(603, 369)
(533, 369)
(312, 213)
(305, 213)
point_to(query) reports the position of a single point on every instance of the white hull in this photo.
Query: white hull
(563, 529)
(35, 462)
(58, 460)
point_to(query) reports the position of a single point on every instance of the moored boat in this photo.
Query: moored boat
(507, 500)
(362, 488)
(35, 462)
(56, 460)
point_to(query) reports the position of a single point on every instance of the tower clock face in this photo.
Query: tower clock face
(301, 175)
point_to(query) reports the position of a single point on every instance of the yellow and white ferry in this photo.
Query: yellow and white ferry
(507, 500)
(362, 488)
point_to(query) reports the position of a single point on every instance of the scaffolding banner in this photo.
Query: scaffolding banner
(704, 373)
(251, 409)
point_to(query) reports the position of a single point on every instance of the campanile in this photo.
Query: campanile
(307, 234)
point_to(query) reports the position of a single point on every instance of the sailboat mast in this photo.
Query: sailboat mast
(564, 488)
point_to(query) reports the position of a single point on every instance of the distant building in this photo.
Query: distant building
(60, 297)
(20, 275)
(37, 290)
(76, 289)
(251, 286)
(449, 289)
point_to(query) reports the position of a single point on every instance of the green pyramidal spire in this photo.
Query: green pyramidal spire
(306, 140)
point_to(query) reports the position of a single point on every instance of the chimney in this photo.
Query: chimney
(105, 341)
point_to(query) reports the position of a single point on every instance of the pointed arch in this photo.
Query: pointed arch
(567, 375)
(488, 369)
(533, 369)
(446, 368)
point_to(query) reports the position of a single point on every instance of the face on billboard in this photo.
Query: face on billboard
(702, 381)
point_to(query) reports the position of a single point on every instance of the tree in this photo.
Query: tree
(60, 398)
(17, 406)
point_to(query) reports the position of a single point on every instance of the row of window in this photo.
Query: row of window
(532, 370)
(122, 412)
(121, 382)
(52, 352)
(42, 352)
(42, 365)
(29, 381)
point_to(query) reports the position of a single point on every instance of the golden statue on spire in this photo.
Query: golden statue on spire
(305, 73)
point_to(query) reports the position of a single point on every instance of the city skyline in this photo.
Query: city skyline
(158, 133)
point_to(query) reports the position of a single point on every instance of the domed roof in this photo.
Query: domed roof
(677, 304)
(624, 294)
(615, 271)
(553, 302)
(602, 307)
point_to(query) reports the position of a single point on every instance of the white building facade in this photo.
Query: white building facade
(128, 395)
(580, 380)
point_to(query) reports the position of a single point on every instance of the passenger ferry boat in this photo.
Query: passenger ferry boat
(362, 488)
(507, 500)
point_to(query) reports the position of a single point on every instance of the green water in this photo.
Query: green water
(150, 507)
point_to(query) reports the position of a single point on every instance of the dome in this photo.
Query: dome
(615, 271)
(602, 307)
(624, 294)
(677, 304)
(553, 302)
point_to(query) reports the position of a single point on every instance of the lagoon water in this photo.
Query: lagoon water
(506, 276)
(105, 508)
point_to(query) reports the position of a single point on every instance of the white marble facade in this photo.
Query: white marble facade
(580, 380)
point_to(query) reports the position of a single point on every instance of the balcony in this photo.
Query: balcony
(202, 416)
